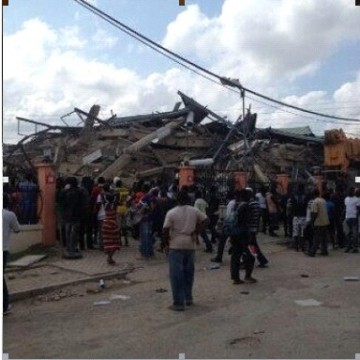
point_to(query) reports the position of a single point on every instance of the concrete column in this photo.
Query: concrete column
(240, 180)
(282, 183)
(186, 176)
(47, 184)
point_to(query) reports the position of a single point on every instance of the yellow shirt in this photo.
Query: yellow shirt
(123, 195)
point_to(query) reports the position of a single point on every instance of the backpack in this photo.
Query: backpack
(231, 221)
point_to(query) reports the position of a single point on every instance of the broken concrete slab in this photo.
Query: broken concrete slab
(26, 261)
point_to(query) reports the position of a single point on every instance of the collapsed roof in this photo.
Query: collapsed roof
(154, 145)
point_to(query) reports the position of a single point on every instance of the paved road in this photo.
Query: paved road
(225, 322)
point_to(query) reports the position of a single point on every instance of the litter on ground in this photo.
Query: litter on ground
(119, 297)
(103, 302)
(308, 302)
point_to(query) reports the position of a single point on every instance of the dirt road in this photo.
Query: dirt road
(227, 321)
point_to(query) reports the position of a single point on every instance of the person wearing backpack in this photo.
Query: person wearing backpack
(202, 205)
(299, 202)
(253, 226)
(226, 227)
(239, 238)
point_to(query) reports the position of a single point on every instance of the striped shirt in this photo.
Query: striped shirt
(253, 216)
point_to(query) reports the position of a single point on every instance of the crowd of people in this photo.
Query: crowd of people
(102, 215)
(23, 196)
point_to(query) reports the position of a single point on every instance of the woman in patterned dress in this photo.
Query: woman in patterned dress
(110, 230)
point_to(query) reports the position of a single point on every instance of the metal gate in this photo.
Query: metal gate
(223, 180)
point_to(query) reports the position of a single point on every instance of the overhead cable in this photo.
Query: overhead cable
(164, 51)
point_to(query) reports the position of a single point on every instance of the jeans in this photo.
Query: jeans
(264, 219)
(86, 232)
(320, 238)
(221, 245)
(5, 289)
(273, 222)
(146, 239)
(28, 212)
(206, 239)
(240, 248)
(182, 269)
(339, 231)
(260, 256)
(352, 242)
(212, 226)
(72, 237)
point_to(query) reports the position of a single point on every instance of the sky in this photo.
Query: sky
(58, 56)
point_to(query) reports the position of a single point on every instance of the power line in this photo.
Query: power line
(166, 52)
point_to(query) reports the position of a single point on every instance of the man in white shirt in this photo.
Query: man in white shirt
(181, 225)
(260, 196)
(10, 224)
(202, 205)
(351, 218)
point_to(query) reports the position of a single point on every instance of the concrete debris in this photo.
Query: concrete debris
(153, 146)
(57, 296)
(27, 261)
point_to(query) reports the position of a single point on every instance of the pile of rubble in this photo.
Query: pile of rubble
(155, 145)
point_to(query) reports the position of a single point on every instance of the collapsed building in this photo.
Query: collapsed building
(154, 146)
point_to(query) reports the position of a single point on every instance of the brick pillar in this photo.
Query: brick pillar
(186, 176)
(47, 184)
(240, 180)
(282, 183)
